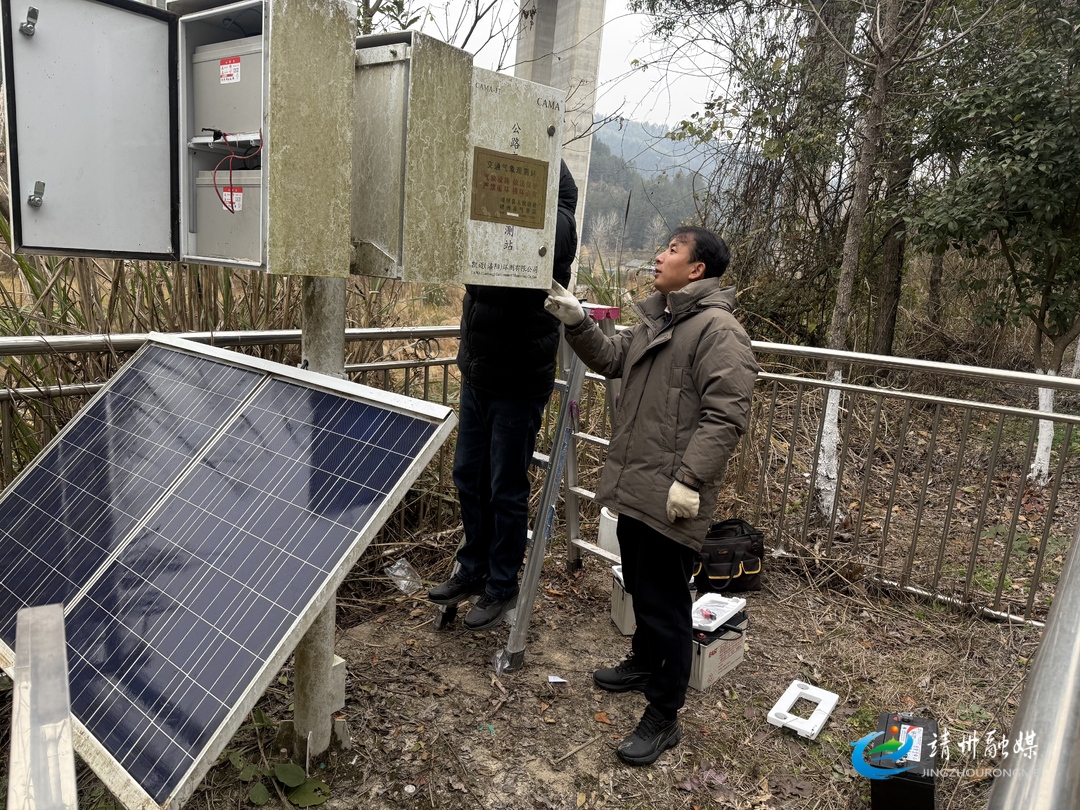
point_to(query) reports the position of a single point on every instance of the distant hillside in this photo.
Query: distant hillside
(644, 145)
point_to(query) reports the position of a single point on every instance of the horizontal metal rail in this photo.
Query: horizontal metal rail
(909, 364)
(76, 344)
(81, 344)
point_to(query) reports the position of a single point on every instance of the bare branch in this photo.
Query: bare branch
(962, 35)
(832, 36)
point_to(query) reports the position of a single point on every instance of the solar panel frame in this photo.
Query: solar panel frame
(441, 419)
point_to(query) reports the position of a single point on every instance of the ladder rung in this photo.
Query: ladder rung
(588, 438)
(540, 460)
(592, 548)
(583, 493)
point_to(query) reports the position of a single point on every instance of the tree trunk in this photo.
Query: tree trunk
(892, 259)
(860, 199)
(1039, 474)
(933, 298)
(826, 482)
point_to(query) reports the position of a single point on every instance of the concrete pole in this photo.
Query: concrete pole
(323, 348)
(559, 45)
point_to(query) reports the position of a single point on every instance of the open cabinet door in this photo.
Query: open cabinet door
(92, 135)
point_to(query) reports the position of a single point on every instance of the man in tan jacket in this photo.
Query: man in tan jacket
(688, 375)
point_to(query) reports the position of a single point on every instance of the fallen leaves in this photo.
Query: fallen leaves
(706, 779)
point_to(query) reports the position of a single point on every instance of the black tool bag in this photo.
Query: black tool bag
(731, 557)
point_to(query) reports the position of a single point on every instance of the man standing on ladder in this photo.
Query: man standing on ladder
(688, 375)
(507, 358)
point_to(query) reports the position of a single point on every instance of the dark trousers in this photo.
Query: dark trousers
(656, 572)
(495, 442)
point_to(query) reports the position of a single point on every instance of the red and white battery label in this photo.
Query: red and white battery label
(916, 735)
(233, 196)
(229, 68)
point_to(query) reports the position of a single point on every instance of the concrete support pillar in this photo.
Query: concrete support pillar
(316, 699)
(536, 41)
(559, 45)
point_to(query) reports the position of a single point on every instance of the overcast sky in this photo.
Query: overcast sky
(656, 95)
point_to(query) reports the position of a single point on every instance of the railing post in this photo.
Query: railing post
(7, 439)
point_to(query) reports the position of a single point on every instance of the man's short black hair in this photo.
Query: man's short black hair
(706, 247)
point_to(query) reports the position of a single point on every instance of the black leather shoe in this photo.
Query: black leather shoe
(623, 677)
(487, 612)
(652, 737)
(455, 589)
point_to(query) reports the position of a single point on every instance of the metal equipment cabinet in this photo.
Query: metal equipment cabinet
(456, 168)
(107, 149)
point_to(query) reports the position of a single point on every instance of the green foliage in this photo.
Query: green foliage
(310, 793)
(258, 794)
(289, 774)
(613, 287)
(1016, 141)
(301, 790)
(373, 16)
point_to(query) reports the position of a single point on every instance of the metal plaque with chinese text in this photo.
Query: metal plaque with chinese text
(509, 189)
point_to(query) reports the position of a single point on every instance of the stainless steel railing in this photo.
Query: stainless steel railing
(931, 497)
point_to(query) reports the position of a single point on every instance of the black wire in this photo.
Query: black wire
(229, 22)
(252, 150)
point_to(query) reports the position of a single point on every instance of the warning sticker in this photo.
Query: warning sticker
(915, 733)
(229, 68)
(233, 197)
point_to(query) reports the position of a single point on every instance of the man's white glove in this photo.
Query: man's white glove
(682, 502)
(563, 305)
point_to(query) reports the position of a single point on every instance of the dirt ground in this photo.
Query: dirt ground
(434, 726)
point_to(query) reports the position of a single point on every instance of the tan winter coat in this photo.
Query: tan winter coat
(685, 401)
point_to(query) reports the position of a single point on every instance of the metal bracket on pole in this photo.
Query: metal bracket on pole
(512, 657)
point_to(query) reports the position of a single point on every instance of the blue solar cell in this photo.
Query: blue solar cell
(203, 508)
(100, 476)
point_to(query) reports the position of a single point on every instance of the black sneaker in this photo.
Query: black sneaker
(486, 612)
(630, 674)
(455, 589)
(652, 737)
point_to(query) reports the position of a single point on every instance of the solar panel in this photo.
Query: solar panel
(194, 518)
